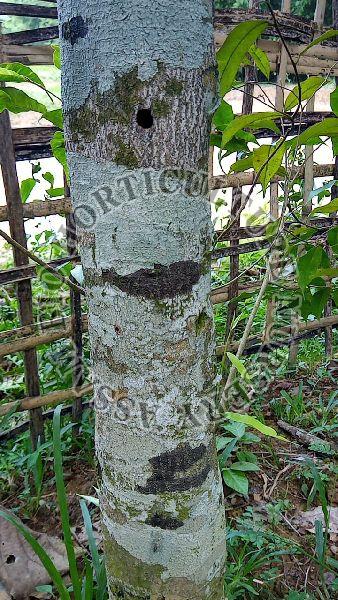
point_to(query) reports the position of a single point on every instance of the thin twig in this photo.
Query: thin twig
(42, 263)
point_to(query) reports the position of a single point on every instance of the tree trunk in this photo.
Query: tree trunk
(139, 85)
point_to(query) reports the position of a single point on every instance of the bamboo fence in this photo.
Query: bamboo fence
(30, 143)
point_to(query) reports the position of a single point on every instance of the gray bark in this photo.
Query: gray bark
(139, 85)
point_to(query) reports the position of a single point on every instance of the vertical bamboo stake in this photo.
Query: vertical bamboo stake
(308, 175)
(77, 329)
(334, 194)
(24, 288)
(274, 188)
(250, 75)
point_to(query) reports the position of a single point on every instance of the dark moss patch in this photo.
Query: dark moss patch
(164, 521)
(158, 283)
(116, 106)
(125, 155)
(174, 87)
(161, 108)
(74, 29)
(178, 470)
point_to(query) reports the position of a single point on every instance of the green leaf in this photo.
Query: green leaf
(56, 56)
(325, 36)
(242, 164)
(272, 228)
(17, 101)
(236, 481)
(26, 188)
(56, 192)
(58, 148)
(236, 362)
(237, 429)
(308, 265)
(326, 209)
(40, 553)
(255, 424)
(267, 159)
(328, 272)
(232, 53)
(222, 442)
(10, 76)
(216, 140)
(223, 115)
(240, 123)
(334, 140)
(91, 539)
(332, 238)
(320, 545)
(49, 177)
(261, 60)
(24, 71)
(55, 117)
(328, 127)
(314, 304)
(245, 467)
(62, 502)
(308, 89)
(334, 101)
(223, 459)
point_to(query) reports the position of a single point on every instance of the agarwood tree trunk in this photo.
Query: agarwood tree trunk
(139, 85)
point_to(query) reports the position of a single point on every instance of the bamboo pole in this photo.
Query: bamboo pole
(309, 175)
(60, 396)
(274, 188)
(24, 289)
(53, 398)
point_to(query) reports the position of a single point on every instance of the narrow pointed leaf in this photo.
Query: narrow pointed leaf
(17, 101)
(26, 188)
(254, 423)
(231, 55)
(261, 60)
(55, 117)
(242, 164)
(41, 553)
(328, 128)
(266, 161)
(23, 71)
(56, 56)
(249, 121)
(325, 36)
(308, 88)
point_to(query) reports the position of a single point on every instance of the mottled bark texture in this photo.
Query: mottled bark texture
(139, 86)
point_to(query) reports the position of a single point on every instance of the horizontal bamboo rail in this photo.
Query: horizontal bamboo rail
(53, 398)
(60, 396)
(33, 143)
(63, 206)
(36, 327)
(28, 55)
(30, 339)
(293, 27)
(26, 10)
(16, 274)
(255, 345)
(35, 340)
(31, 36)
(41, 208)
(247, 178)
